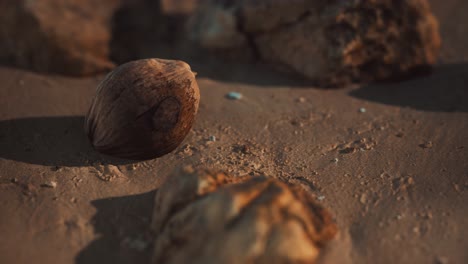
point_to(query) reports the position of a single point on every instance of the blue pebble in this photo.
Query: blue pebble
(234, 96)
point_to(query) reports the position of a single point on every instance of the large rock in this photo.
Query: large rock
(69, 37)
(331, 42)
(208, 217)
(178, 7)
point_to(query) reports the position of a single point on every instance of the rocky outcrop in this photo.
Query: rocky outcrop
(334, 43)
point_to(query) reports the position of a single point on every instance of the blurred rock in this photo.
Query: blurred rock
(151, 28)
(333, 43)
(178, 7)
(207, 217)
(57, 36)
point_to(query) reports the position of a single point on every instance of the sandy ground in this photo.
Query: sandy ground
(389, 160)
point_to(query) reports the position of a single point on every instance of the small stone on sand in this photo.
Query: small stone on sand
(363, 198)
(234, 96)
(362, 110)
(426, 145)
(49, 184)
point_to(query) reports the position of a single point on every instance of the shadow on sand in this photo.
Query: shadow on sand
(123, 223)
(50, 141)
(445, 90)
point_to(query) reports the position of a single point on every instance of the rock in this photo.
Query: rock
(147, 28)
(202, 216)
(333, 43)
(215, 27)
(178, 7)
(65, 37)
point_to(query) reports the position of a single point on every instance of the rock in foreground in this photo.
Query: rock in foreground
(333, 43)
(206, 217)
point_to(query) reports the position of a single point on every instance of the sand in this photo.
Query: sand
(389, 160)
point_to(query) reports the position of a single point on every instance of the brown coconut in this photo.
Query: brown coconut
(143, 109)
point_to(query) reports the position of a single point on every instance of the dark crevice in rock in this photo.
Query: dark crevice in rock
(250, 38)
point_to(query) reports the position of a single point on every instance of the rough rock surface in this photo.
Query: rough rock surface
(207, 217)
(66, 37)
(178, 6)
(331, 42)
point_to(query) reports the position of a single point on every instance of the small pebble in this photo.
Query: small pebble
(301, 100)
(132, 167)
(362, 110)
(234, 96)
(50, 184)
(426, 145)
(363, 198)
(212, 138)
(335, 160)
(321, 198)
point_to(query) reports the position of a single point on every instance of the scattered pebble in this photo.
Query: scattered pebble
(428, 216)
(321, 198)
(363, 198)
(132, 167)
(426, 145)
(335, 160)
(349, 150)
(400, 134)
(108, 172)
(234, 96)
(212, 138)
(21, 82)
(301, 99)
(362, 110)
(50, 184)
